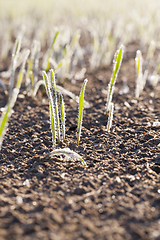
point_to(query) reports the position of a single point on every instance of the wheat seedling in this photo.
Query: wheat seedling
(95, 58)
(139, 79)
(116, 66)
(6, 114)
(62, 115)
(69, 55)
(8, 110)
(80, 111)
(149, 57)
(15, 54)
(21, 73)
(156, 70)
(31, 75)
(51, 108)
(142, 77)
(46, 62)
(54, 94)
(155, 76)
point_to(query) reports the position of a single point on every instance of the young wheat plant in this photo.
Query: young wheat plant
(50, 84)
(116, 66)
(13, 97)
(52, 107)
(80, 112)
(62, 114)
(143, 75)
(32, 70)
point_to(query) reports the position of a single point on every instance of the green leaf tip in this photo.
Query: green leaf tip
(67, 152)
(54, 95)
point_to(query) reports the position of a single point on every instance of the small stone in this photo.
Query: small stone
(19, 200)
(26, 183)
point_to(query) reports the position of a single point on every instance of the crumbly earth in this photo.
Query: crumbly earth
(116, 197)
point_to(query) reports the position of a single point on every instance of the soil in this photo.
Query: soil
(116, 197)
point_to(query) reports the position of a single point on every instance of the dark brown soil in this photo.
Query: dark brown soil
(116, 197)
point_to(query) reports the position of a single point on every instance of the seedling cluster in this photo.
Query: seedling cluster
(116, 66)
(67, 52)
(57, 131)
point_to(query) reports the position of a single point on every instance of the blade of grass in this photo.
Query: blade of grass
(21, 73)
(139, 73)
(80, 111)
(15, 54)
(62, 114)
(54, 94)
(116, 66)
(51, 108)
(31, 75)
(51, 50)
(6, 114)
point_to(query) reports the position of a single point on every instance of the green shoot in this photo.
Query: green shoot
(15, 54)
(31, 75)
(149, 57)
(67, 153)
(62, 114)
(116, 66)
(70, 52)
(96, 49)
(51, 108)
(75, 40)
(150, 53)
(22, 69)
(50, 85)
(154, 78)
(139, 79)
(54, 94)
(6, 114)
(110, 117)
(80, 112)
(156, 70)
(46, 63)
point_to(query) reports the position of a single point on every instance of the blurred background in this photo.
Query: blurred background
(102, 25)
